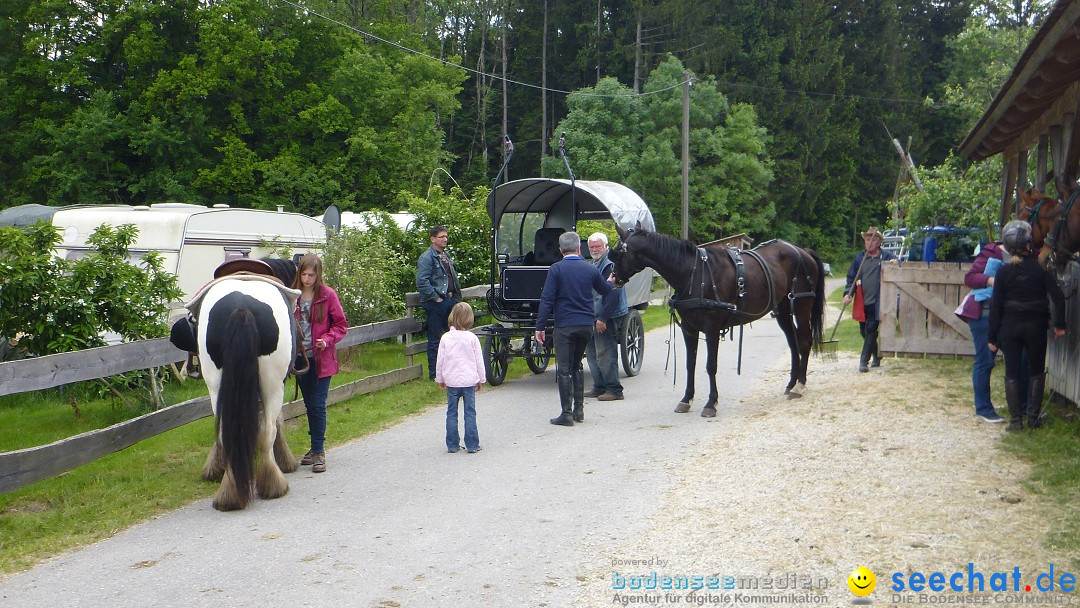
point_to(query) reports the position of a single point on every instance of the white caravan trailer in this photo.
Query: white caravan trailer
(335, 219)
(192, 239)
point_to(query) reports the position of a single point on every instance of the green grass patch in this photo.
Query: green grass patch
(1054, 453)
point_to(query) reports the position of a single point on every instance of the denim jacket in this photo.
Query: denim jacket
(601, 304)
(431, 279)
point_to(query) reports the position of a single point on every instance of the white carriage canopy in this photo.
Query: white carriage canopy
(552, 197)
(522, 206)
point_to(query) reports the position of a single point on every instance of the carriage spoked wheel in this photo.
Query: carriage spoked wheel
(497, 357)
(538, 356)
(632, 342)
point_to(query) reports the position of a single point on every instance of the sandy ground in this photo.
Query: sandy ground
(878, 470)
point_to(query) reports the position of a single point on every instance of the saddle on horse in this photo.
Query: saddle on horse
(184, 333)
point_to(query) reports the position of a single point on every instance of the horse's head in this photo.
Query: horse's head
(627, 260)
(1050, 229)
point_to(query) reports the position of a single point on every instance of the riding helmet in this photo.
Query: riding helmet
(1016, 236)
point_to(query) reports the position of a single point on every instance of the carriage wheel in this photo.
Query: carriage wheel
(538, 361)
(496, 358)
(632, 343)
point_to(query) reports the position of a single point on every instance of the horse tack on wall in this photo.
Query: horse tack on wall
(917, 304)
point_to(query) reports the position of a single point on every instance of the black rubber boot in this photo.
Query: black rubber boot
(875, 358)
(579, 395)
(864, 358)
(566, 386)
(1014, 401)
(1035, 399)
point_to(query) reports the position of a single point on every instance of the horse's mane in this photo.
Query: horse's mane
(284, 269)
(669, 246)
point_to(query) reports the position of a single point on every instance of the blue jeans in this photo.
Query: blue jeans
(602, 353)
(437, 325)
(314, 390)
(984, 364)
(468, 395)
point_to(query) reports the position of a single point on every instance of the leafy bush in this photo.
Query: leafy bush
(468, 226)
(51, 305)
(367, 269)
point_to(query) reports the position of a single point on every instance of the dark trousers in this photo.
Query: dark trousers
(869, 331)
(570, 343)
(437, 325)
(1022, 336)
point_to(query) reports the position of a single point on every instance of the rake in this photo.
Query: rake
(829, 347)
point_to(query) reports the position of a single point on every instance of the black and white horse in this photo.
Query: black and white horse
(245, 342)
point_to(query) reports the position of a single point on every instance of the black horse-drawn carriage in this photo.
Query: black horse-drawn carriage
(527, 218)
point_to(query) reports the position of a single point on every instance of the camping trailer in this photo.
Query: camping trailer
(335, 219)
(192, 239)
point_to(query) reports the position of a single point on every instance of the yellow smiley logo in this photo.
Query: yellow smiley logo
(861, 581)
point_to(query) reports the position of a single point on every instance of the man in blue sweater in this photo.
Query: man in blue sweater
(568, 295)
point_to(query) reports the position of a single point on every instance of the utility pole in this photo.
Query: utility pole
(686, 155)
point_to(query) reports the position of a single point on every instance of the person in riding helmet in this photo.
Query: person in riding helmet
(1020, 314)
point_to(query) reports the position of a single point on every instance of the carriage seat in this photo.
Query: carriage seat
(546, 250)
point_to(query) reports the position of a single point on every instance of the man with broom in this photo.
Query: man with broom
(864, 287)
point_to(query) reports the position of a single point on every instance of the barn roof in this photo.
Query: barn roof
(1046, 70)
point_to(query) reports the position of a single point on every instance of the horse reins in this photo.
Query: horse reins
(1052, 239)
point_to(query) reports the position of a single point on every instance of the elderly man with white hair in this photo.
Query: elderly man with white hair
(602, 352)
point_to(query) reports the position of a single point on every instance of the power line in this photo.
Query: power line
(564, 92)
(461, 67)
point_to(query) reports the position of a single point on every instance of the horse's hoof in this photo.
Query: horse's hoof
(708, 412)
(796, 392)
(682, 408)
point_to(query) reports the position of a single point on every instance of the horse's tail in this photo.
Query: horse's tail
(817, 317)
(238, 400)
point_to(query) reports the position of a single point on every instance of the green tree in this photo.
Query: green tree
(615, 135)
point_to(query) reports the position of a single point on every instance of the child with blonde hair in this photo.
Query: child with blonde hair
(459, 370)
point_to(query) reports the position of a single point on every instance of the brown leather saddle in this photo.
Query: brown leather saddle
(241, 267)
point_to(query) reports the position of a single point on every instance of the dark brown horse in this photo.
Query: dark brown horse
(717, 288)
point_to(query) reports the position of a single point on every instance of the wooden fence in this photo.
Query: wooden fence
(23, 467)
(917, 303)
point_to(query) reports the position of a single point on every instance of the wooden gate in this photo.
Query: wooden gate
(917, 302)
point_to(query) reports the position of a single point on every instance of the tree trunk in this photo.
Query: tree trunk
(505, 126)
(543, 88)
(637, 54)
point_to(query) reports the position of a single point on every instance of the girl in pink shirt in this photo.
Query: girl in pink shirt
(459, 370)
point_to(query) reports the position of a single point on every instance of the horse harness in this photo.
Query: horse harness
(1051, 239)
(678, 303)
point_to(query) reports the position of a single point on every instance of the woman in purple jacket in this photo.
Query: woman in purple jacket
(977, 315)
(322, 323)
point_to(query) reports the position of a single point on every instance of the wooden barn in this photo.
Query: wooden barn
(1035, 118)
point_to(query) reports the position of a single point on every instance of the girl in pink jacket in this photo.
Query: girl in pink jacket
(322, 322)
(459, 370)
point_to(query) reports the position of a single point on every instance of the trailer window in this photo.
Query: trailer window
(235, 254)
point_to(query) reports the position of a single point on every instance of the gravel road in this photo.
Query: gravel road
(887, 470)
(396, 521)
